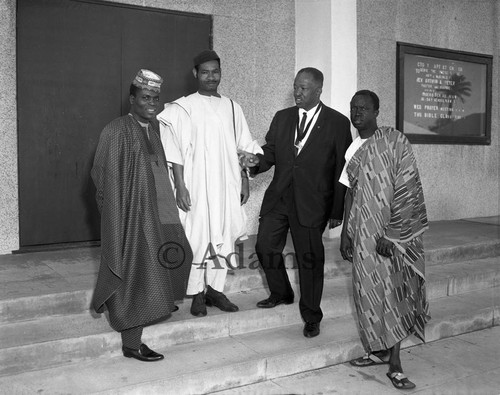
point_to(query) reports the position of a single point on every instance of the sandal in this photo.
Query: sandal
(368, 360)
(400, 381)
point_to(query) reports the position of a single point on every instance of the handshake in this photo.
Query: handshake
(247, 159)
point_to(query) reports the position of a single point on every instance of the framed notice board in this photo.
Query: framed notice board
(443, 96)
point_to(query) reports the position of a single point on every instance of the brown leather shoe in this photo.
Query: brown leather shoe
(144, 353)
(198, 308)
(218, 299)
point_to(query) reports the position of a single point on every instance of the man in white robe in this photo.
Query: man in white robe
(202, 134)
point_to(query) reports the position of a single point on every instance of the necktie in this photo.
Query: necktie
(301, 134)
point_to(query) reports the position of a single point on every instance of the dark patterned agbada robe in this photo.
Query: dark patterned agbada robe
(145, 256)
(388, 200)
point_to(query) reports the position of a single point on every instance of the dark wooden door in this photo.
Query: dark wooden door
(75, 62)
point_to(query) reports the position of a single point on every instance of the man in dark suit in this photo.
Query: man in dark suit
(304, 195)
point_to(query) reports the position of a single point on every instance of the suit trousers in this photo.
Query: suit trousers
(309, 256)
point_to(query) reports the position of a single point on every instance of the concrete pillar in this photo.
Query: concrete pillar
(326, 38)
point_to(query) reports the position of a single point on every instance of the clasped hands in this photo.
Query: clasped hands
(247, 159)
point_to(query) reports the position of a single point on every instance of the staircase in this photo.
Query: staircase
(51, 343)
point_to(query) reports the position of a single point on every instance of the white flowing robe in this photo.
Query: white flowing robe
(197, 132)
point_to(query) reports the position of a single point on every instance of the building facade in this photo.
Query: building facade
(264, 42)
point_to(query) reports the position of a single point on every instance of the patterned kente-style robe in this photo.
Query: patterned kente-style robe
(145, 256)
(389, 293)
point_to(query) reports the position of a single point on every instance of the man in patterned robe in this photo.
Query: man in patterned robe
(145, 256)
(382, 237)
(202, 134)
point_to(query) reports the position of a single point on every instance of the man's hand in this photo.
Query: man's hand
(245, 190)
(182, 198)
(385, 247)
(247, 159)
(333, 223)
(346, 247)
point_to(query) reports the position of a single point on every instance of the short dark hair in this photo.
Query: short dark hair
(316, 74)
(197, 67)
(372, 95)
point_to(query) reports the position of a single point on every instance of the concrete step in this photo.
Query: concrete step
(40, 306)
(61, 282)
(462, 277)
(76, 293)
(241, 359)
(463, 364)
(53, 340)
(462, 240)
(50, 341)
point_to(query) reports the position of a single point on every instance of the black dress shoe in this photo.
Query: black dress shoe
(273, 302)
(218, 299)
(311, 329)
(144, 353)
(198, 308)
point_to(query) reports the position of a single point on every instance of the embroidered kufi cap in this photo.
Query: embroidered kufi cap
(205, 56)
(146, 79)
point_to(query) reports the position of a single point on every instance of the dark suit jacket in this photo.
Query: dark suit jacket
(314, 173)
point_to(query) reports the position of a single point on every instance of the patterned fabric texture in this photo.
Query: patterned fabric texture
(145, 261)
(389, 293)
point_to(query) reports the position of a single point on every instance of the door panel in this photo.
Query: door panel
(75, 64)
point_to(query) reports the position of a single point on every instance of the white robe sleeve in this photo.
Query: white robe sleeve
(244, 141)
(175, 132)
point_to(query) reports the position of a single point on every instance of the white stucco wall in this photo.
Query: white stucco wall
(460, 181)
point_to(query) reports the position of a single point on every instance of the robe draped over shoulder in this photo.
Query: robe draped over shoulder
(136, 282)
(388, 201)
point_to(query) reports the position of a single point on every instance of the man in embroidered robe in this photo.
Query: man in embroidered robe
(385, 218)
(202, 134)
(145, 255)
